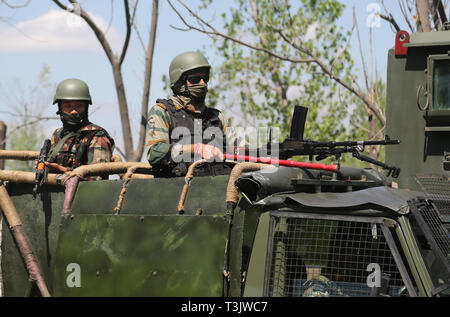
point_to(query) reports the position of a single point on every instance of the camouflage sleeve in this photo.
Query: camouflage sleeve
(54, 137)
(158, 129)
(100, 150)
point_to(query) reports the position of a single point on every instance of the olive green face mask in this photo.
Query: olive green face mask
(195, 92)
(198, 91)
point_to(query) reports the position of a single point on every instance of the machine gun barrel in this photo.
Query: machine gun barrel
(332, 144)
(40, 167)
(320, 150)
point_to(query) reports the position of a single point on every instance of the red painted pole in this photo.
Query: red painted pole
(268, 160)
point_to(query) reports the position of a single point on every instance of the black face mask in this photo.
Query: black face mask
(73, 121)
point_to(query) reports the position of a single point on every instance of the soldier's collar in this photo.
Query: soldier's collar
(181, 102)
(89, 127)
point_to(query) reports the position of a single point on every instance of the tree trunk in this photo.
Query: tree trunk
(123, 108)
(147, 81)
(3, 128)
(435, 15)
(423, 16)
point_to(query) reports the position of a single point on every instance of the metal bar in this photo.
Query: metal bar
(437, 129)
(424, 226)
(25, 250)
(268, 258)
(424, 276)
(328, 217)
(398, 260)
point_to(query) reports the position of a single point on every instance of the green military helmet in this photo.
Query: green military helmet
(185, 62)
(72, 89)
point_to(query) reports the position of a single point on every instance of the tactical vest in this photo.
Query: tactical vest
(71, 148)
(183, 118)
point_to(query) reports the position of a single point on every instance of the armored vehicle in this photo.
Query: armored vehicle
(261, 231)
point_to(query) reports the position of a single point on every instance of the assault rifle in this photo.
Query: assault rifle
(40, 167)
(296, 145)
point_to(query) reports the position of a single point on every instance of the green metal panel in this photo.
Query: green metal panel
(152, 196)
(96, 197)
(256, 270)
(40, 222)
(429, 39)
(244, 226)
(125, 255)
(406, 78)
(207, 193)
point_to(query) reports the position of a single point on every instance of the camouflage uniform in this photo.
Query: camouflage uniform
(91, 144)
(160, 127)
(174, 124)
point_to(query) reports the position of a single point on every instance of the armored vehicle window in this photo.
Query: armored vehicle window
(321, 256)
(441, 85)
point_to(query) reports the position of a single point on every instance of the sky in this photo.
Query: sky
(43, 34)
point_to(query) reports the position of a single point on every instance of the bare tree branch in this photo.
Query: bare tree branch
(116, 62)
(111, 17)
(312, 59)
(435, 14)
(127, 37)
(147, 78)
(213, 31)
(280, 87)
(136, 28)
(326, 70)
(441, 10)
(402, 5)
(391, 20)
(423, 16)
(363, 62)
(16, 6)
(20, 126)
(98, 33)
(333, 61)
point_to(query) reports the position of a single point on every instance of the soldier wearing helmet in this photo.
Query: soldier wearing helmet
(78, 142)
(183, 124)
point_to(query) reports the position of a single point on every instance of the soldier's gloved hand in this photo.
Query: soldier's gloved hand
(207, 151)
(55, 168)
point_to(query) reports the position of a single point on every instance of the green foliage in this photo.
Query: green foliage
(24, 139)
(268, 88)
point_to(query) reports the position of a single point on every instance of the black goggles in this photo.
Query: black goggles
(195, 79)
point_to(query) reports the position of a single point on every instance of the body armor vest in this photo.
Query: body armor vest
(188, 128)
(71, 148)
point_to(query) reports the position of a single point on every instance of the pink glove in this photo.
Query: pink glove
(208, 151)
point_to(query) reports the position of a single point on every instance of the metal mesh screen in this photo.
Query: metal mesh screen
(439, 233)
(436, 188)
(319, 257)
(431, 223)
